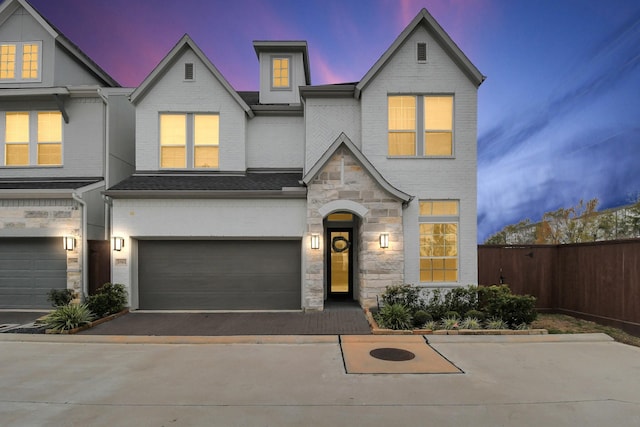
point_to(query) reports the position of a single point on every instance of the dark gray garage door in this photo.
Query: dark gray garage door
(29, 268)
(219, 275)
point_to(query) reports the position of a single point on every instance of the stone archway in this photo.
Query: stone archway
(343, 184)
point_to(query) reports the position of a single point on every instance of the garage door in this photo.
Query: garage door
(219, 275)
(29, 268)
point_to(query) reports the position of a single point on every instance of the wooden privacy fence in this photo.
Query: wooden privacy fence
(598, 281)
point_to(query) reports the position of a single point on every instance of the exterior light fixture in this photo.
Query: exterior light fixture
(118, 243)
(315, 241)
(68, 242)
(384, 240)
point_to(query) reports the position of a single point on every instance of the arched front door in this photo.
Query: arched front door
(339, 255)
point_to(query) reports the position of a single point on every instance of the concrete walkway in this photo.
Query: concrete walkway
(532, 381)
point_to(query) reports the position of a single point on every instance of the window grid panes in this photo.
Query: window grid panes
(281, 72)
(7, 61)
(30, 58)
(438, 231)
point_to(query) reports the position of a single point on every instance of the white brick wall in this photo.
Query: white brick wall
(427, 178)
(275, 142)
(199, 219)
(204, 94)
(325, 120)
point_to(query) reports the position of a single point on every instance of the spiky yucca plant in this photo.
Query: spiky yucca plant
(496, 323)
(69, 317)
(395, 316)
(471, 323)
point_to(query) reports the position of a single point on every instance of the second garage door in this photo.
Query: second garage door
(219, 275)
(29, 269)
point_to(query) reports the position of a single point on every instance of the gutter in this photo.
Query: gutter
(85, 249)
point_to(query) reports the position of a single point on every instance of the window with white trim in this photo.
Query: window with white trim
(32, 138)
(420, 125)
(20, 61)
(438, 227)
(281, 72)
(189, 140)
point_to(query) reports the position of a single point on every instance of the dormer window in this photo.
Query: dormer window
(280, 72)
(20, 61)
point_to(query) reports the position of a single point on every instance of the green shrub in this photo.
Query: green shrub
(395, 316)
(406, 295)
(498, 301)
(110, 298)
(475, 314)
(496, 323)
(69, 317)
(434, 303)
(461, 300)
(421, 317)
(60, 297)
(449, 323)
(471, 323)
(450, 314)
(431, 324)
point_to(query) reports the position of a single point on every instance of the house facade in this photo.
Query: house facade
(66, 134)
(297, 194)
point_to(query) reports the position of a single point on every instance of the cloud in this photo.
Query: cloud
(576, 144)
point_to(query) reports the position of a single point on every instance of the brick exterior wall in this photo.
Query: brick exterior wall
(47, 218)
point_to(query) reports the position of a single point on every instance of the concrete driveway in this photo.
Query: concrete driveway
(301, 381)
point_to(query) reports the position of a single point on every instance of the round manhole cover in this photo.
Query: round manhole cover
(392, 354)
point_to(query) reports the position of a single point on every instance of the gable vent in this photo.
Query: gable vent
(422, 52)
(188, 71)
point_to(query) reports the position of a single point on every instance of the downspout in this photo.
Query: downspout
(85, 249)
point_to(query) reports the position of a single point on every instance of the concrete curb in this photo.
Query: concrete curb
(136, 339)
(506, 339)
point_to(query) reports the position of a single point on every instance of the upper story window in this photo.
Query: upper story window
(33, 138)
(280, 72)
(420, 125)
(438, 224)
(20, 61)
(189, 140)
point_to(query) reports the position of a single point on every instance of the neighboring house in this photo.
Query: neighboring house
(296, 194)
(66, 133)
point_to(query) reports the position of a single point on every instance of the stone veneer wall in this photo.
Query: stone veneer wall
(377, 268)
(47, 218)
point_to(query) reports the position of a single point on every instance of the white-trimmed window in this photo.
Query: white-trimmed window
(33, 138)
(281, 72)
(420, 125)
(438, 223)
(189, 140)
(20, 61)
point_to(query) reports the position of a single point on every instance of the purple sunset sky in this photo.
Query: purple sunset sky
(558, 116)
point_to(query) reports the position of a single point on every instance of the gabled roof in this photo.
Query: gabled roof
(183, 44)
(10, 6)
(424, 18)
(343, 140)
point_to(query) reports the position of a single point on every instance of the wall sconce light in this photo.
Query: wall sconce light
(118, 243)
(68, 243)
(315, 241)
(384, 240)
